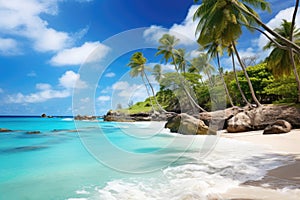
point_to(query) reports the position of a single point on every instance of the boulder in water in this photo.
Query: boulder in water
(33, 132)
(5, 130)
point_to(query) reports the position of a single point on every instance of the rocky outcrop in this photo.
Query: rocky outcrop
(115, 116)
(280, 126)
(45, 116)
(33, 132)
(5, 130)
(123, 117)
(261, 117)
(219, 119)
(157, 116)
(187, 125)
(140, 117)
(85, 117)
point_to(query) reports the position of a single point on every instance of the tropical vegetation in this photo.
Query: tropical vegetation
(196, 83)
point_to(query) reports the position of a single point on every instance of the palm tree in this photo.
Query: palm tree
(221, 20)
(245, 11)
(292, 29)
(192, 69)
(264, 5)
(242, 64)
(283, 62)
(157, 72)
(137, 65)
(167, 49)
(180, 60)
(230, 52)
(138, 68)
(214, 49)
(202, 64)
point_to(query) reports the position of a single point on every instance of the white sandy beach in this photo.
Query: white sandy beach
(275, 185)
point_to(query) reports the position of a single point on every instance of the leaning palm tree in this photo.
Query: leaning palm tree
(221, 20)
(167, 49)
(230, 53)
(284, 62)
(157, 73)
(180, 59)
(243, 8)
(214, 49)
(138, 68)
(137, 65)
(242, 64)
(202, 64)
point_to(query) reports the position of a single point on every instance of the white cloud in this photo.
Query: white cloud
(85, 100)
(110, 75)
(120, 85)
(45, 91)
(127, 90)
(103, 98)
(31, 74)
(154, 33)
(106, 90)
(249, 52)
(43, 86)
(49, 39)
(23, 19)
(184, 31)
(276, 22)
(1, 90)
(71, 80)
(8, 46)
(89, 52)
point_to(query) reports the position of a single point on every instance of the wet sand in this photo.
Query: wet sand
(280, 183)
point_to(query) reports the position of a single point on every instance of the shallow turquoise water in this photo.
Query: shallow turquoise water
(106, 160)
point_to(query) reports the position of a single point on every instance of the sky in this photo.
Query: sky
(69, 57)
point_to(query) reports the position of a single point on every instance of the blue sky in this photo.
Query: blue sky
(65, 57)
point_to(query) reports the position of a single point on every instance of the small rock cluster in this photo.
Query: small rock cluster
(84, 117)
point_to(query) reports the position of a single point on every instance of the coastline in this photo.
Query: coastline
(279, 183)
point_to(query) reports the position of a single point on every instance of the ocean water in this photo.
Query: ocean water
(108, 160)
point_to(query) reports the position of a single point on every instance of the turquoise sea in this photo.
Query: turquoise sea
(108, 160)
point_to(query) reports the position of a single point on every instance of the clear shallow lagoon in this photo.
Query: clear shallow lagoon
(107, 160)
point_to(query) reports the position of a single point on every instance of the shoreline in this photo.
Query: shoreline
(280, 183)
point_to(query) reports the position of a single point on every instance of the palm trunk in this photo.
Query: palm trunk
(148, 93)
(291, 50)
(247, 76)
(269, 38)
(152, 90)
(209, 79)
(185, 90)
(237, 81)
(223, 80)
(268, 29)
(295, 73)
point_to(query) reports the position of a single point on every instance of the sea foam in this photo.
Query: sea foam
(228, 165)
